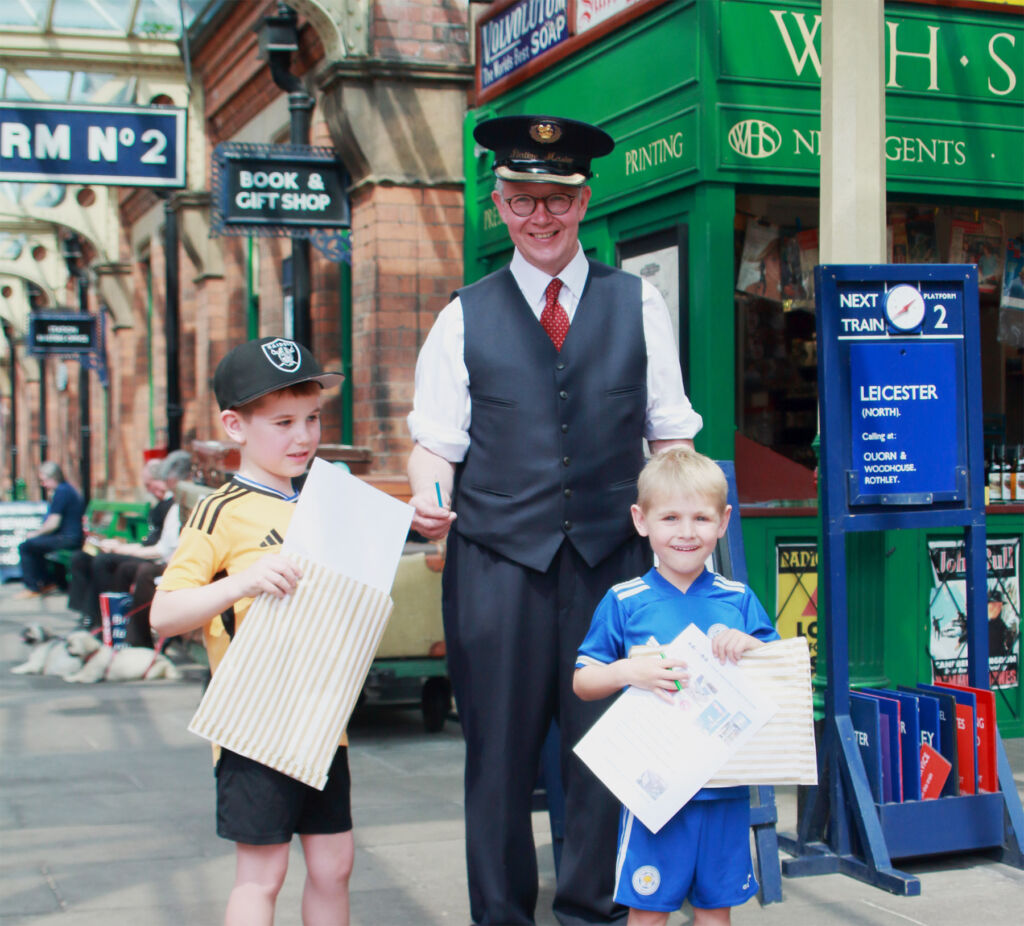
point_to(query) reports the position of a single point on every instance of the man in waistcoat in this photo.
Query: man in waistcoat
(534, 391)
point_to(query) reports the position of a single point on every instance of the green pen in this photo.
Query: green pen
(678, 686)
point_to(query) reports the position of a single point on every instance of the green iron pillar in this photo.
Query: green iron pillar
(712, 337)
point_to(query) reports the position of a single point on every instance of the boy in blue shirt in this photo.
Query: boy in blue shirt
(703, 853)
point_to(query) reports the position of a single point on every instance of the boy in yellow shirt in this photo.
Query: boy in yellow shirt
(269, 394)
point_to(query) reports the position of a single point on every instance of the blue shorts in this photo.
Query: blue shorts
(702, 855)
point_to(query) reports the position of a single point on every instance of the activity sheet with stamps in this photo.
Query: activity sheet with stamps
(655, 755)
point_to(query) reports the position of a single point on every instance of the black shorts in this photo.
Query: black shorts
(259, 806)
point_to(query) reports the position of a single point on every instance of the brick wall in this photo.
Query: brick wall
(407, 259)
(424, 30)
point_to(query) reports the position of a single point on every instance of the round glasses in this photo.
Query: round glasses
(555, 203)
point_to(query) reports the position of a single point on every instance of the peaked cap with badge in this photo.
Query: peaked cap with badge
(255, 368)
(543, 149)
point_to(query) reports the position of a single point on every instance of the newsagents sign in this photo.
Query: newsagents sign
(278, 187)
(140, 146)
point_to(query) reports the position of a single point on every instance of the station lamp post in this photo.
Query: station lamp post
(278, 41)
(13, 433)
(71, 251)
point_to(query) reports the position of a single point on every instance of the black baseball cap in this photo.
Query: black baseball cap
(543, 149)
(265, 365)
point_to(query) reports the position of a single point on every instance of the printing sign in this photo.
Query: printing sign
(61, 334)
(277, 187)
(116, 145)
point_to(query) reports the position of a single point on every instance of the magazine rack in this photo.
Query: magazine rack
(899, 385)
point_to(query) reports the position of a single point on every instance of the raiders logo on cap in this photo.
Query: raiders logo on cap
(258, 367)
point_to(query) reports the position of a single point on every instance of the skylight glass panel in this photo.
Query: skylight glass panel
(161, 18)
(91, 15)
(55, 84)
(23, 13)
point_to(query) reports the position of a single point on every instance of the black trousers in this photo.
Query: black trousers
(143, 588)
(104, 572)
(512, 635)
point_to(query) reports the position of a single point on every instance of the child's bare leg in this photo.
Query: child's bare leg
(329, 860)
(646, 917)
(718, 917)
(259, 874)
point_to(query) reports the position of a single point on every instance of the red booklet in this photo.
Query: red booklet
(965, 747)
(935, 770)
(985, 701)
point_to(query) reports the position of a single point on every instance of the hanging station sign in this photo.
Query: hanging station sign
(141, 146)
(897, 413)
(277, 189)
(516, 39)
(61, 334)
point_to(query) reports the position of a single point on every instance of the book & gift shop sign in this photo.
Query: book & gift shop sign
(278, 185)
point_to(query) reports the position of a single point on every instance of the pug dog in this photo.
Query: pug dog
(48, 654)
(104, 663)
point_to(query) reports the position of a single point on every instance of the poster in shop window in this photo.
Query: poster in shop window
(948, 611)
(796, 593)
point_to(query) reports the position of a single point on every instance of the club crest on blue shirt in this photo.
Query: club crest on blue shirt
(283, 354)
(646, 880)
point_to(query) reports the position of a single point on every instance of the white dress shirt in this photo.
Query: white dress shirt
(440, 416)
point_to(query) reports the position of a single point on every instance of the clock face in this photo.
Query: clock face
(904, 307)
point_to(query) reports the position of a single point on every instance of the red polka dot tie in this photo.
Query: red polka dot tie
(553, 319)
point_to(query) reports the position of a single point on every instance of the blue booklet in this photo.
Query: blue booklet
(864, 714)
(909, 728)
(889, 737)
(947, 737)
(928, 714)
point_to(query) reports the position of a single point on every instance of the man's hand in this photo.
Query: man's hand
(430, 519)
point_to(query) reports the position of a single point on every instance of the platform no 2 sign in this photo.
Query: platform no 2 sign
(899, 385)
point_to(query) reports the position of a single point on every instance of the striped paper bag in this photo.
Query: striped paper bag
(783, 751)
(289, 681)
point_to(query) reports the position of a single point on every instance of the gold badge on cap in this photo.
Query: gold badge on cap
(545, 133)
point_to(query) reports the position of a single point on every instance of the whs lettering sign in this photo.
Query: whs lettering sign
(108, 145)
(926, 51)
(939, 65)
(790, 141)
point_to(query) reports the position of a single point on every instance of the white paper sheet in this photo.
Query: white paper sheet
(654, 756)
(349, 526)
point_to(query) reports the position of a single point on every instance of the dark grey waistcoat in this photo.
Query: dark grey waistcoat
(555, 438)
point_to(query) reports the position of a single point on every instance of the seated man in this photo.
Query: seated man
(113, 568)
(61, 530)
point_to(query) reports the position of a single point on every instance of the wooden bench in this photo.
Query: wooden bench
(128, 521)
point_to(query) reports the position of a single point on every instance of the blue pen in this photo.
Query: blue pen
(440, 501)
